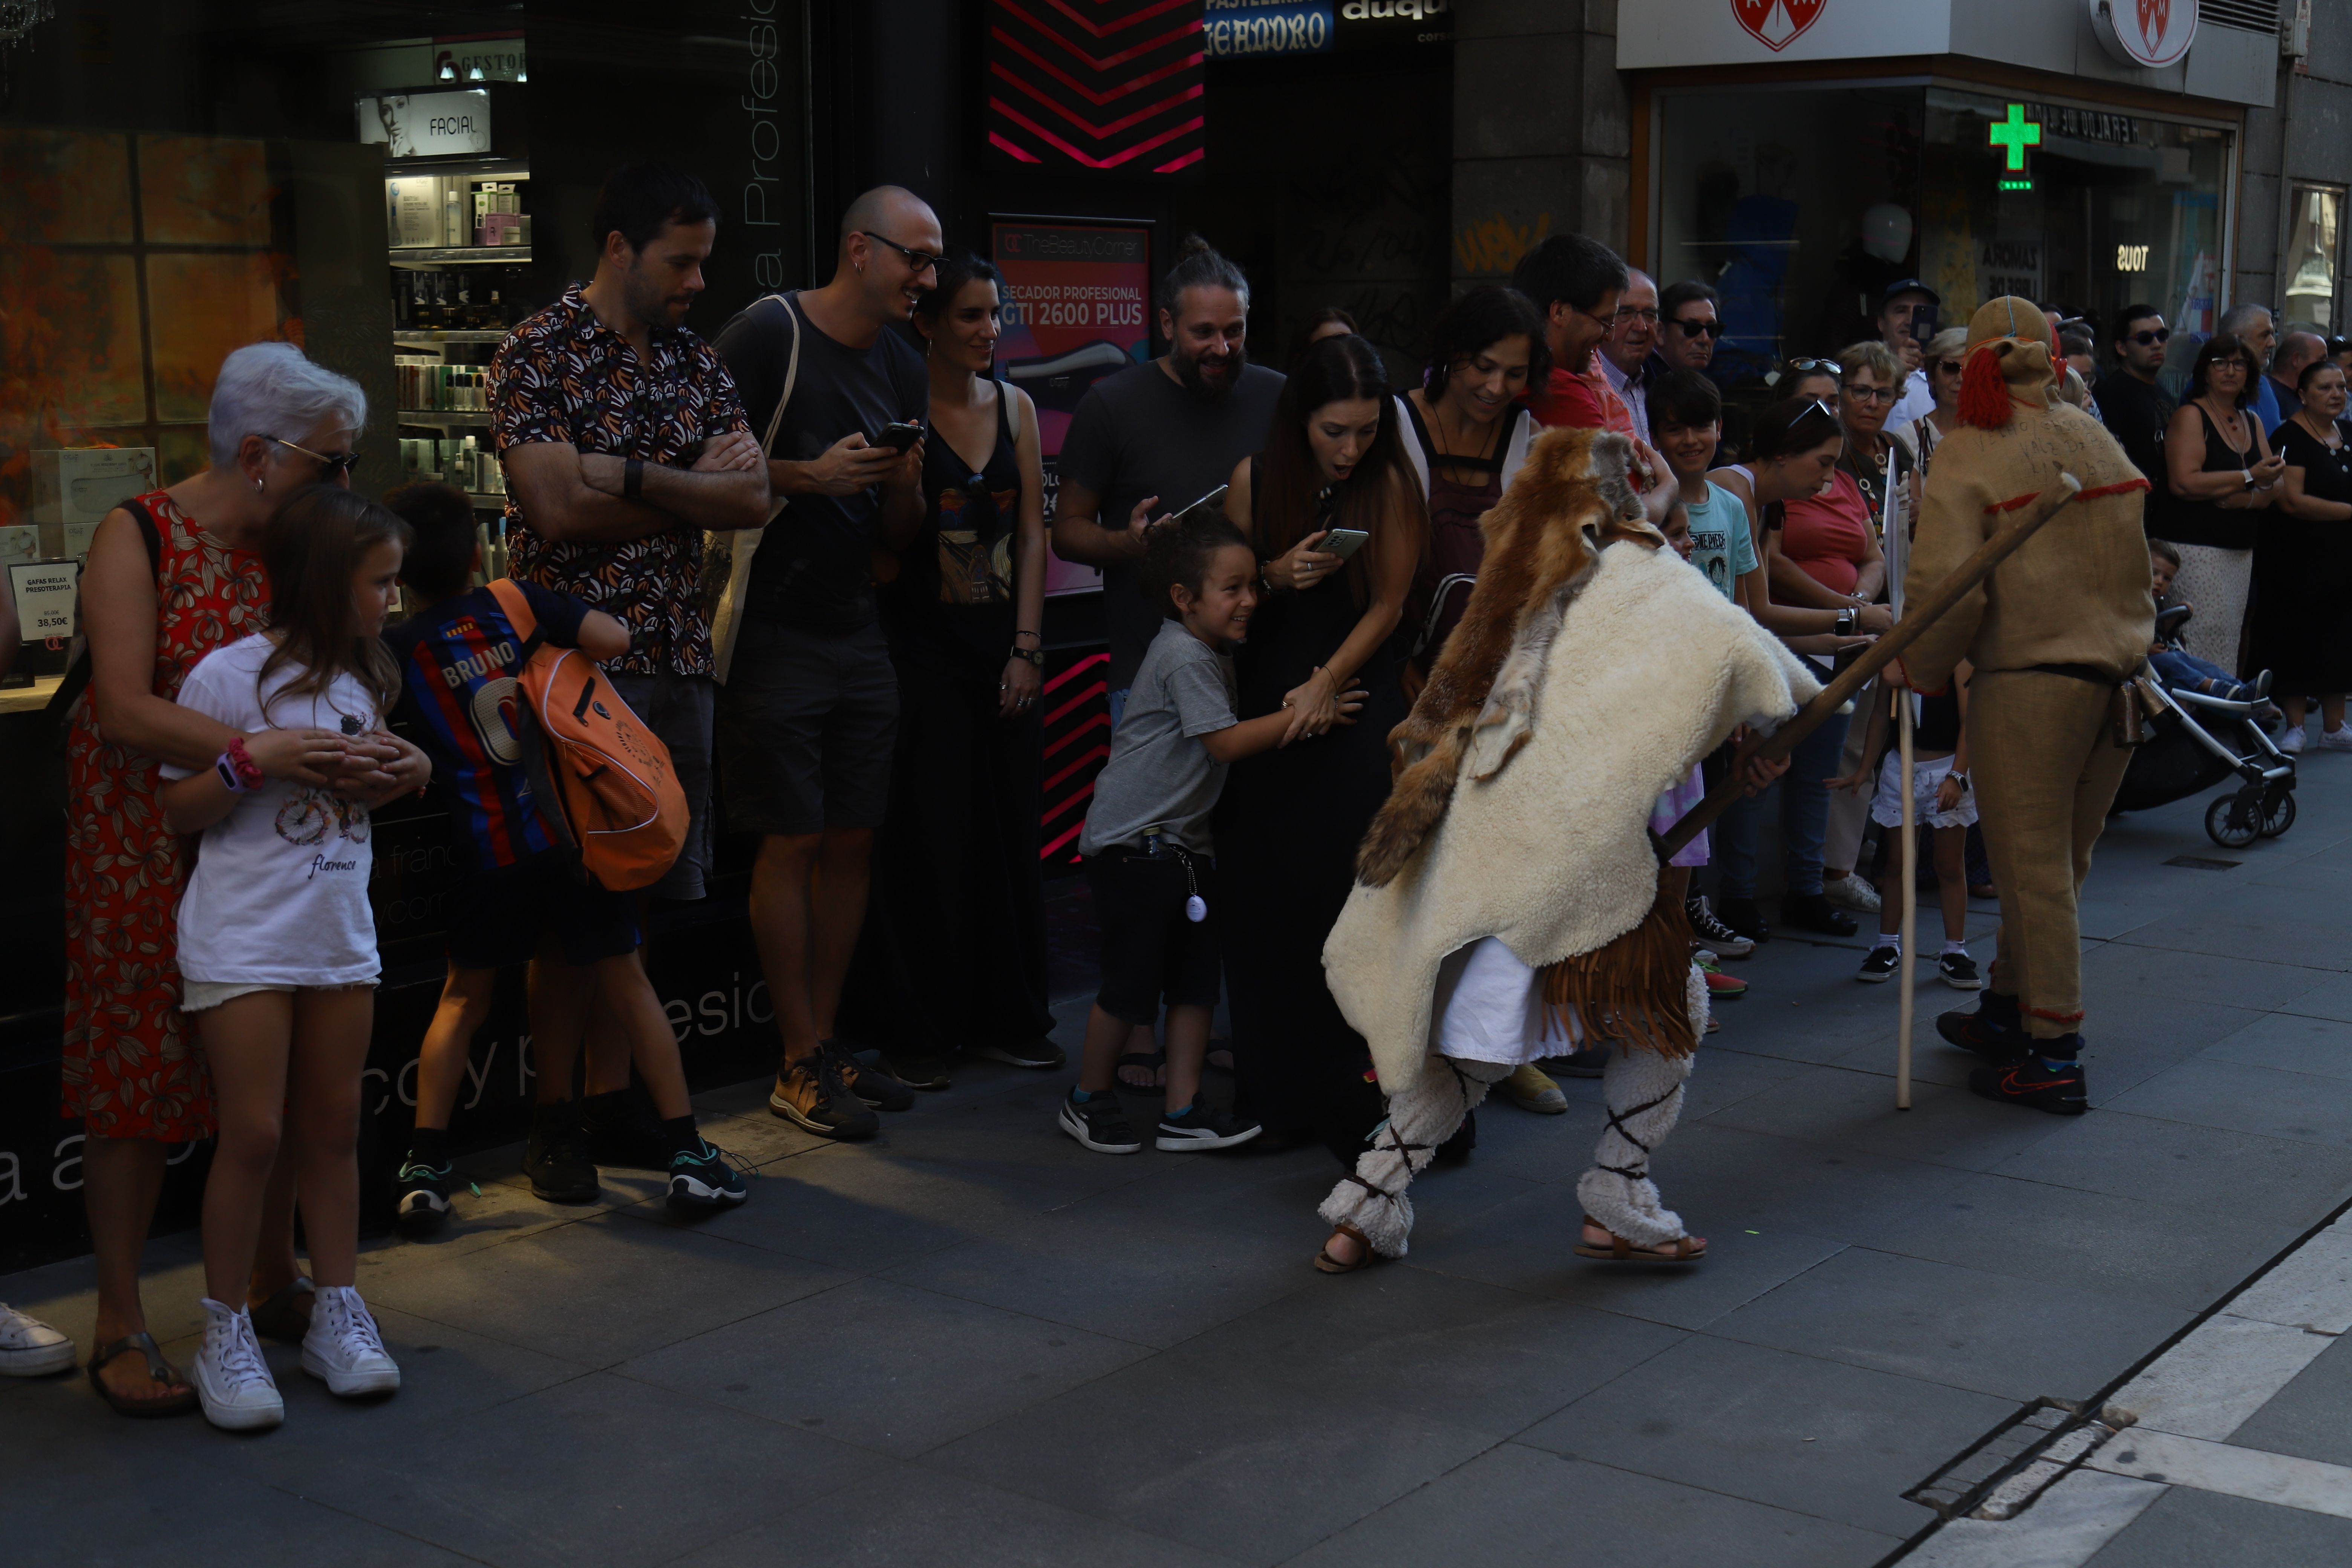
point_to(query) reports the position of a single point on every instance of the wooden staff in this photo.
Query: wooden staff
(1910, 908)
(1916, 618)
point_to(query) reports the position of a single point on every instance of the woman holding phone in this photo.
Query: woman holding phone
(1335, 513)
(955, 947)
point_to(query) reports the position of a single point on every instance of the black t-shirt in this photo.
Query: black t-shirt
(1140, 433)
(2136, 414)
(815, 565)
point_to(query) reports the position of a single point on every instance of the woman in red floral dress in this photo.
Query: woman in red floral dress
(132, 1073)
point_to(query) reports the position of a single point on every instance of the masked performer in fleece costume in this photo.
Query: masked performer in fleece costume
(1507, 895)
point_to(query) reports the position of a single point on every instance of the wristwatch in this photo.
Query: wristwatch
(1846, 621)
(1958, 778)
(1036, 656)
(2248, 476)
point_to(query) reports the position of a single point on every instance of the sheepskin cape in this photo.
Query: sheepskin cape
(1616, 680)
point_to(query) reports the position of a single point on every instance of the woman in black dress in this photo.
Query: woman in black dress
(2220, 472)
(2303, 564)
(954, 951)
(1290, 820)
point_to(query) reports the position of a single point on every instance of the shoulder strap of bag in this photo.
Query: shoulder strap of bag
(517, 604)
(1009, 409)
(792, 374)
(77, 677)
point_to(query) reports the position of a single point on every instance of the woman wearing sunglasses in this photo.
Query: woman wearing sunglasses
(171, 575)
(2220, 472)
(960, 904)
(1943, 368)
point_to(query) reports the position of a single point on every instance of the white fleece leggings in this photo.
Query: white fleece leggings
(1643, 1091)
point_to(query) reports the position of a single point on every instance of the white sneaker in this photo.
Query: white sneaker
(1851, 892)
(2338, 740)
(2292, 741)
(345, 1347)
(29, 1347)
(233, 1383)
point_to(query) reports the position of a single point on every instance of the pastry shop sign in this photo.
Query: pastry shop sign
(2146, 33)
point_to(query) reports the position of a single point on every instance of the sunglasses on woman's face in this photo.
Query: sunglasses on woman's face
(1816, 367)
(1949, 366)
(2237, 364)
(328, 467)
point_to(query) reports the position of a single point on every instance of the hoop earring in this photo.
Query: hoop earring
(259, 484)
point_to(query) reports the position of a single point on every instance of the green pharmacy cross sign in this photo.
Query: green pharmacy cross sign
(2013, 136)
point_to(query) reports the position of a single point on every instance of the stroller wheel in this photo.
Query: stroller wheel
(2279, 815)
(2234, 820)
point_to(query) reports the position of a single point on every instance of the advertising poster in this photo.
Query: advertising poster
(1076, 309)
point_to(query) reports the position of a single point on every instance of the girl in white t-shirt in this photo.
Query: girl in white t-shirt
(276, 943)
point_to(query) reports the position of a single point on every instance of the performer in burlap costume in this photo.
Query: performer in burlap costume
(1508, 898)
(2052, 634)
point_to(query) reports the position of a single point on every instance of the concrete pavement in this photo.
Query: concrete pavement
(973, 1342)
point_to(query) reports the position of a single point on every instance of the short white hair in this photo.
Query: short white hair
(2238, 318)
(273, 389)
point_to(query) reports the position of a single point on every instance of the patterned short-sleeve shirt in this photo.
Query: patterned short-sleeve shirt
(564, 376)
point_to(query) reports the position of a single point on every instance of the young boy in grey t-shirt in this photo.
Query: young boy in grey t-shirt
(1151, 855)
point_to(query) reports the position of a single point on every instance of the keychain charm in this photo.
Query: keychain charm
(1196, 909)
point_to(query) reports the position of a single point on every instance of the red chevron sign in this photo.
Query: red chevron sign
(1096, 84)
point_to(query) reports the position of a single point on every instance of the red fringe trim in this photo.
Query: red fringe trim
(2046, 1014)
(2121, 487)
(1984, 395)
(2014, 502)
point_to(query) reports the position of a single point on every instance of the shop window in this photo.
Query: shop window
(2309, 263)
(2108, 210)
(1800, 203)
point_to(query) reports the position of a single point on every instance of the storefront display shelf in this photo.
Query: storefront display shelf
(431, 255)
(445, 416)
(450, 335)
(33, 697)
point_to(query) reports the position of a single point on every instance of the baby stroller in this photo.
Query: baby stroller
(2198, 741)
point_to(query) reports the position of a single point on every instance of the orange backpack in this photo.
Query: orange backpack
(613, 795)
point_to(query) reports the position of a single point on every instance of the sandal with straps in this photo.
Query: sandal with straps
(163, 1371)
(1681, 1250)
(1330, 1265)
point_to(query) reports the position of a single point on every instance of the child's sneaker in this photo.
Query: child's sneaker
(702, 1179)
(420, 1198)
(30, 1348)
(233, 1383)
(1879, 967)
(1720, 987)
(1099, 1124)
(1202, 1126)
(344, 1349)
(1959, 972)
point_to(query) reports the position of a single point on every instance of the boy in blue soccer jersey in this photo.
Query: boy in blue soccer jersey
(518, 900)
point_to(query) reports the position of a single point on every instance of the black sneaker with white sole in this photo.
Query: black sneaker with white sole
(873, 1084)
(1099, 1124)
(1959, 972)
(556, 1158)
(1200, 1126)
(1880, 966)
(1710, 931)
(1038, 1056)
(420, 1198)
(701, 1179)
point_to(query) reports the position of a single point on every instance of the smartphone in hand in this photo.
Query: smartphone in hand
(900, 435)
(1344, 543)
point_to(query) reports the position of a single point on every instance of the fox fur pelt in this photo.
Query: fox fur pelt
(1591, 671)
(1574, 494)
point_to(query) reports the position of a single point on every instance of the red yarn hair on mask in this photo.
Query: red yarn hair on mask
(1984, 394)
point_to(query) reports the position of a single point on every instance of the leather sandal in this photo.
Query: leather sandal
(276, 1318)
(163, 1371)
(1330, 1265)
(1681, 1250)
